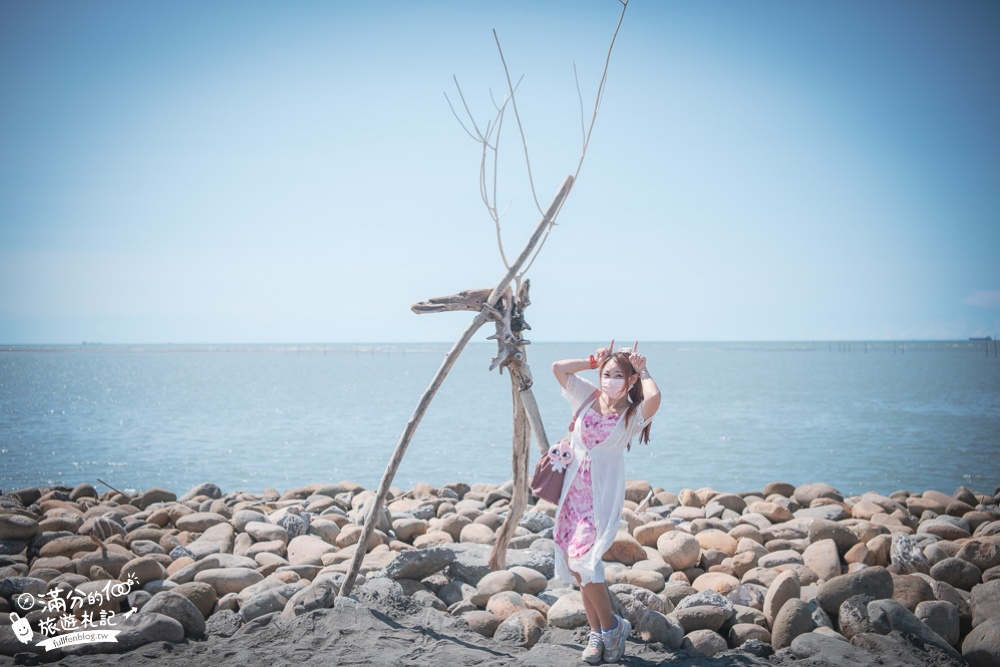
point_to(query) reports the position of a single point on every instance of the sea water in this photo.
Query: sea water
(861, 416)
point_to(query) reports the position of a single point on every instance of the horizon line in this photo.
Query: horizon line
(972, 339)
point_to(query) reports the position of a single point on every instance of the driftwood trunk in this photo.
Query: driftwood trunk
(487, 312)
(521, 449)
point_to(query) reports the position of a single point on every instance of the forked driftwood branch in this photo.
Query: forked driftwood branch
(487, 312)
(501, 306)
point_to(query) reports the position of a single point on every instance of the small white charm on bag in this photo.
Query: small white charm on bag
(561, 454)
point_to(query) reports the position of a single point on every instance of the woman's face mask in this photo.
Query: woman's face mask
(613, 387)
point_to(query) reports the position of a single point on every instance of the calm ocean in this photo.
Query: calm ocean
(860, 416)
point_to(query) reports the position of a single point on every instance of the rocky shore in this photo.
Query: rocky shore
(782, 576)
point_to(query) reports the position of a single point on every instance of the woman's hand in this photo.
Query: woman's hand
(637, 360)
(603, 353)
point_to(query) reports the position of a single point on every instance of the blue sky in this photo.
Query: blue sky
(291, 172)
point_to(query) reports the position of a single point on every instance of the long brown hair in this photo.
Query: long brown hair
(635, 394)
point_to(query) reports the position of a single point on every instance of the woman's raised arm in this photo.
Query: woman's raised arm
(650, 392)
(563, 369)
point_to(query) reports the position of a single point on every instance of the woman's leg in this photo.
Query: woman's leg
(593, 653)
(595, 598)
(592, 617)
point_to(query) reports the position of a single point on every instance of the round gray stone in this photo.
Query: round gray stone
(180, 609)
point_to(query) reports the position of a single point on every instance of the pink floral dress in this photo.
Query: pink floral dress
(577, 532)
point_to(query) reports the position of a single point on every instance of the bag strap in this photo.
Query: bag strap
(579, 410)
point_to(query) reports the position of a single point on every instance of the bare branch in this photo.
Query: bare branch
(493, 131)
(464, 104)
(453, 112)
(600, 87)
(535, 256)
(593, 120)
(517, 117)
(579, 95)
(496, 161)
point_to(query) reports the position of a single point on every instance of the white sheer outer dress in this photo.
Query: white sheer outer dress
(607, 472)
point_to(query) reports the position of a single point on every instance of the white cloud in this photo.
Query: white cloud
(984, 299)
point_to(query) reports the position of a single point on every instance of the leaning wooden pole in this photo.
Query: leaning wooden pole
(519, 497)
(428, 395)
(535, 420)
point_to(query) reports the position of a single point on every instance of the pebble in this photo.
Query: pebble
(229, 579)
(981, 647)
(568, 612)
(419, 563)
(985, 602)
(805, 494)
(822, 557)
(495, 582)
(625, 549)
(888, 615)
(308, 548)
(652, 626)
(504, 604)
(773, 512)
(267, 602)
(700, 617)
(853, 616)
(179, 608)
(778, 558)
(786, 587)
(719, 582)
(910, 590)
(958, 572)
(779, 566)
(741, 633)
(528, 580)
(706, 642)
(873, 581)
(717, 540)
(143, 569)
(792, 620)
(201, 595)
(983, 553)
(17, 527)
(941, 617)
(706, 598)
(477, 533)
(321, 594)
(523, 628)
(678, 549)
(219, 538)
(199, 522)
(482, 622)
(652, 580)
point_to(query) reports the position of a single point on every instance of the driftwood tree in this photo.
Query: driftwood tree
(504, 305)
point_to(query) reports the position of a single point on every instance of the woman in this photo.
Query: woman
(593, 491)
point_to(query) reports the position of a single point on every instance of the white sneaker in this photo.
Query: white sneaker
(594, 652)
(614, 640)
